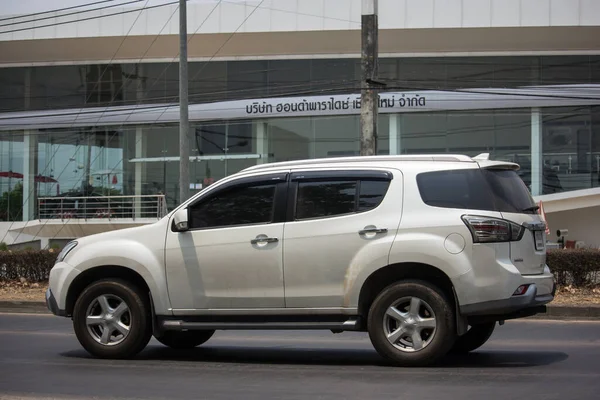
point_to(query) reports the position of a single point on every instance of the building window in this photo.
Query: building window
(568, 160)
(11, 176)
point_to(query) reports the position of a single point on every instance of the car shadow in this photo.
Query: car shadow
(334, 357)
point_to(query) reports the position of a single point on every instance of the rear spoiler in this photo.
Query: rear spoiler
(484, 161)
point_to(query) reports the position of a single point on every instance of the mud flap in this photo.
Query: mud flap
(156, 328)
(462, 324)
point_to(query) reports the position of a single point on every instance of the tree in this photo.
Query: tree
(11, 204)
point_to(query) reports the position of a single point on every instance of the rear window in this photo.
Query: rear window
(476, 189)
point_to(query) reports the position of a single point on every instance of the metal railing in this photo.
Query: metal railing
(102, 207)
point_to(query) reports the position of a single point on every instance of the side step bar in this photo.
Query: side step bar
(180, 325)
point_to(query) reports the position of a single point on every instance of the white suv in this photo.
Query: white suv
(425, 253)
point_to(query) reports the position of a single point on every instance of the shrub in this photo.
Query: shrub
(577, 267)
(33, 265)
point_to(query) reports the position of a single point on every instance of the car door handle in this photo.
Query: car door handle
(372, 230)
(264, 240)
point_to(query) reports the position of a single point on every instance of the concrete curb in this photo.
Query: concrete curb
(556, 312)
(571, 312)
(23, 307)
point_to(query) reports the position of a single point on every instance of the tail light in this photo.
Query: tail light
(491, 230)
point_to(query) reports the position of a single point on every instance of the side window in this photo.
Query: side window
(322, 199)
(330, 198)
(241, 205)
(371, 194)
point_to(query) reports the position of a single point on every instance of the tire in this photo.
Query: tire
(417, 318)
(102, 302)
(476, 336)
(185, 340)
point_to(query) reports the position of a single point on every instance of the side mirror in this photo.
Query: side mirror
(180, 220)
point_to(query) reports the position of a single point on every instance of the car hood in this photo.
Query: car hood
(137, 233)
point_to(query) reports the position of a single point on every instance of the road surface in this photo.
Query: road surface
(40, 358)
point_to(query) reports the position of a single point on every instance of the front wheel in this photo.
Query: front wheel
(412, 323)
(111, 319)
(184, 340)
(475, 337)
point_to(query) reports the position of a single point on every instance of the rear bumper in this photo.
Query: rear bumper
(527, 304)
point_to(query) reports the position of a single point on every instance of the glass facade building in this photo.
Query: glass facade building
(557, 143)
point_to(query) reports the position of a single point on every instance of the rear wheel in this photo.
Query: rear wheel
(111, 319)
(184, 340)
(476, 336)
(411, 323)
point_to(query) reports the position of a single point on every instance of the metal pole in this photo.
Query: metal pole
(184, 140)
(369, 63)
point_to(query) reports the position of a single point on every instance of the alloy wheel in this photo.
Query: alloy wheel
(409, 324)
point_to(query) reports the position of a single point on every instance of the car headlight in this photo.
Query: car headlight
(63, 253)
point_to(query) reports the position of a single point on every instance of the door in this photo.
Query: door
(231, 256)
(338, 223)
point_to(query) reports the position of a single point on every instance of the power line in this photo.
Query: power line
(173, 2)
(71, 13)
(217, 52)
(311, 91)
(56, 10)
(165, 108)
(48, 163)
(273, 88)
(91, 18)
(214, 8)
(156, 37)
(457, 82)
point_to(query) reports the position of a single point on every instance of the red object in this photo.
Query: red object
(10, 174)
(208, 181)
(114, 180)
(17, 175)
(543, 214)
(44, 179)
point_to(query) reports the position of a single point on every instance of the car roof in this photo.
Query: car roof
(482, 160)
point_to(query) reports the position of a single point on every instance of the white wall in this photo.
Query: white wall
(583, 224)
(298, 15)
(14, 237)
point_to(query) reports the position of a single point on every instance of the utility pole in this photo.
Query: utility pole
(184, 125)
(369, 64)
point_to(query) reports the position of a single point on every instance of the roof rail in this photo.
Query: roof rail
(340, 160)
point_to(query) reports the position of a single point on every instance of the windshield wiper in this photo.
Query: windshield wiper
(531, 209)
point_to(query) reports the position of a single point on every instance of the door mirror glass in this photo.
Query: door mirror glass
(180, 220)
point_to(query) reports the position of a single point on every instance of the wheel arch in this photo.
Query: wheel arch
(87, 277)
(383, 277)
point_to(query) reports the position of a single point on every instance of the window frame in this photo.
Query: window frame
(278, 214)
(356, 176)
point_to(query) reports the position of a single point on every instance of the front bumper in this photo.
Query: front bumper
(53, 305)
